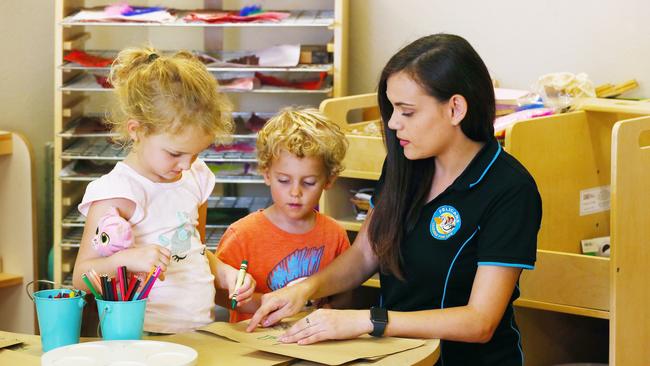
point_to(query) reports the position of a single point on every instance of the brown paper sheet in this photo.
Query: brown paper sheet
(215, 350)
(329, 352)
(8, 342)
(9, 357)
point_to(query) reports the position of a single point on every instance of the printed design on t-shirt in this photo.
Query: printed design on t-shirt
(181, 241)
(445, 222)
(298, 265)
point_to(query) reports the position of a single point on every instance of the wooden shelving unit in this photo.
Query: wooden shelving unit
(5, 143)
(363, 162)
(8, 280)
(82, 156)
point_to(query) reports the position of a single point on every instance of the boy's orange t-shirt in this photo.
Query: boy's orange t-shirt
(277, 258)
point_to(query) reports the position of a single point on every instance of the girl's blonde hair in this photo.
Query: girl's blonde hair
(302, 132)
(166, 94)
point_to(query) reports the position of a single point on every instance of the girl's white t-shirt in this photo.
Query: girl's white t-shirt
(166, 214)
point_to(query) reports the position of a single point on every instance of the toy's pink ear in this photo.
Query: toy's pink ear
(113, 233)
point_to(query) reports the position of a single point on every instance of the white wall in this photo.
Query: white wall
(518, 40)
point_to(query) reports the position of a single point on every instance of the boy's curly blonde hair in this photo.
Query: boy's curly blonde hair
(166, 94)
(302, 132)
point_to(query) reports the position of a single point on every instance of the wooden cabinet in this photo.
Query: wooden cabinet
(573, 307)
(82, 155)
(363, 160)
(582, 163)
(18, 233)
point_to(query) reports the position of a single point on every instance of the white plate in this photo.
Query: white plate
(121, 353)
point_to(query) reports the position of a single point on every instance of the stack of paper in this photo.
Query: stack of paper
(160, 16)
(507, 100)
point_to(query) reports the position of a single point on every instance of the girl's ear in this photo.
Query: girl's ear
(133, 129)
(458, 108)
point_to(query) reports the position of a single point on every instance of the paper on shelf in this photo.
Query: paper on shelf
(162, 16)
(509, 96)
(286, 55)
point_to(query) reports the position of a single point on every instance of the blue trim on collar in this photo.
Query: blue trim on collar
(502, 264)
(487, 167)
(444, 291)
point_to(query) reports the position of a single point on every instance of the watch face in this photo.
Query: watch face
(379, 315)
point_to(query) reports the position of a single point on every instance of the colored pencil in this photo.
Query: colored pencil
(135, 285)
(131, 288)
(125, 282)
(105, 292)
(120, 284)
(114, 282)
(149, 284)
(90, 286)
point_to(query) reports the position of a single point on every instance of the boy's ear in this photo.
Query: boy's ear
(133, 127)
(267, 177)
(330, 182)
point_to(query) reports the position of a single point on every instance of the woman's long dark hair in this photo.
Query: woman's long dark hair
(443, 65)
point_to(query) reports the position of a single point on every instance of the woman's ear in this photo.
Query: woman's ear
(133, 129)
(458, 106)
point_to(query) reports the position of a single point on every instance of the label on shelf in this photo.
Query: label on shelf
(594, 200)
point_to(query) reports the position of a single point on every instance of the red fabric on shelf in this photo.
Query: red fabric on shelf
(307, 84)
(234, 17)
(85, 59)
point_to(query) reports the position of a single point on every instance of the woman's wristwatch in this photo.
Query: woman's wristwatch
(379, 319)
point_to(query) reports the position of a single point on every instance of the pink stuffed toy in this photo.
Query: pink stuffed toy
(113, 233)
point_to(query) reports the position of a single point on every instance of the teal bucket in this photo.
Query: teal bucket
(58, 319)
(121, 320)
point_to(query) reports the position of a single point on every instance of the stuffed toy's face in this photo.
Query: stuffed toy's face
(113, 233)
(102, 238)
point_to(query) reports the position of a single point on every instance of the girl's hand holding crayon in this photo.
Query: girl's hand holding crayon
(142, 259)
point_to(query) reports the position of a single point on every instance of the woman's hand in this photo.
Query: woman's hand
(324, 324)
(280, 304)
(143, 258)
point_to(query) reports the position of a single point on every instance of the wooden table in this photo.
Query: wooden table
(213, 349)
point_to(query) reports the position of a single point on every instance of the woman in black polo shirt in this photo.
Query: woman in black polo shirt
(455, 219)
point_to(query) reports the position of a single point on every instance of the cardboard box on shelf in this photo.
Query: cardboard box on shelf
(596, 246)
(314, 54)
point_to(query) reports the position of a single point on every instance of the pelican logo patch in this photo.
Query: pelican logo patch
(445, 222)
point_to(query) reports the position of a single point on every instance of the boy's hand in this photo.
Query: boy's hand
(142, 259)
(245, 292)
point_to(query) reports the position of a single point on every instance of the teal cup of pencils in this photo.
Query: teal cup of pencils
(121, 320)
(59, 316)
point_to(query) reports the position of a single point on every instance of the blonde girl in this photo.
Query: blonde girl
(168, 111)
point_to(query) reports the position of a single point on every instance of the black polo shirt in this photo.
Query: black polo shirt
(489, 216)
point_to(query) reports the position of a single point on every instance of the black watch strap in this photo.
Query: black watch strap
(379, 319)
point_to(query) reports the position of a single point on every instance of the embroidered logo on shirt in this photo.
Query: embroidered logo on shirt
(445, 222)
(301, 263)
